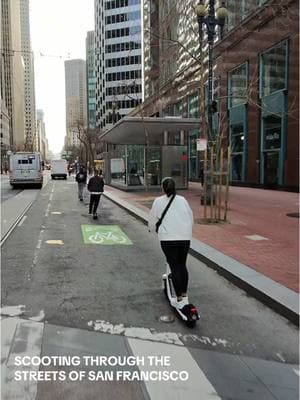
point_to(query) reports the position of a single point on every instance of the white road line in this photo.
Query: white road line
(37, 249)
(297, 372)
(196, 387)
(47, 210)
(22, 220)
(280, 357)
(51, 197)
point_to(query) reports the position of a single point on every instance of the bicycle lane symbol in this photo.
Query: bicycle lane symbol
(100, 237)
(105, 235)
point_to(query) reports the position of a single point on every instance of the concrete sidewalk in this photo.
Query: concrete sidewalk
(257, 248)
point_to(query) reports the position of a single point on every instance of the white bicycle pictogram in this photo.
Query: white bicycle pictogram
(99, 237)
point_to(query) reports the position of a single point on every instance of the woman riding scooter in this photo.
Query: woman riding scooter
(174, 227)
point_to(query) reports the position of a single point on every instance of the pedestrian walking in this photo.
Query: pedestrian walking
(81, 177)
(172, 218)
(70, 169)
(95, 187)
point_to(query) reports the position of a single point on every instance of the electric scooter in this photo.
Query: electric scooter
(189, 313)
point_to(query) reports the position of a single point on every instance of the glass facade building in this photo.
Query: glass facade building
(91, 80)
(118, 59)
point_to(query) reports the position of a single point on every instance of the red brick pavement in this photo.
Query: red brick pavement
(251, 212)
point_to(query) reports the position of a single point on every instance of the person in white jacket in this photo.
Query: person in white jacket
(175, 234)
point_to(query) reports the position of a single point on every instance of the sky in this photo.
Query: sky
(58, 32)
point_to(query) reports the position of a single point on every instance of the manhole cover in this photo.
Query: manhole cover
(293, 215)
(167, 318)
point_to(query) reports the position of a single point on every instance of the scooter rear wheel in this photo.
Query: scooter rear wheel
(191, 324)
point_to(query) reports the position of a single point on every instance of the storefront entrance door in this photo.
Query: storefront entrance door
(271, 168)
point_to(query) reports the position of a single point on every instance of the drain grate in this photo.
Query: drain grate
(293, 215)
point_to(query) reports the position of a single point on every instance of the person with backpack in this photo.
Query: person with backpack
(95, 187)
(80, 178)
(172, 219)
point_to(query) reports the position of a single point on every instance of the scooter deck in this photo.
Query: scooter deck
(189, 313)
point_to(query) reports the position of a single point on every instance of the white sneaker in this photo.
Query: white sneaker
(173, 301)
(180, 304)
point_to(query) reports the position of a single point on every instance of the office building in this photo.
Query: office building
(76, 105)
(118, 59)
(29, 88)
(91, 80)
(256, 85)
(13, 72)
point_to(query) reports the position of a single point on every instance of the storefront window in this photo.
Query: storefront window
(274, 70)
(272, 130)
(154, 165)
(237, 151)
(118, 165)
(238, 86)
(193, 156)
(135, 165)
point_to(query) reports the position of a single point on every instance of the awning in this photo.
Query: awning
(138, 130)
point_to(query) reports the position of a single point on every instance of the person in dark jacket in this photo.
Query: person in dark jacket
(81, 180)
(95, 187)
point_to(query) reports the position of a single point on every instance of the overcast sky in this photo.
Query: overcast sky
(58, 32)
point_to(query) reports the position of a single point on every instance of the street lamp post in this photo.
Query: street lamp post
(210, 20)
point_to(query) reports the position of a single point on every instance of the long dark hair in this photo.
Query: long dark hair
(168, 185)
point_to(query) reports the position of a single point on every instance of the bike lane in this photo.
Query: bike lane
(116, 290)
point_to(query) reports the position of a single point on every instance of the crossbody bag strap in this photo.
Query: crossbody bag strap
(158, 223)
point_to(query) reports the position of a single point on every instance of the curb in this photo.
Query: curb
(282, 300)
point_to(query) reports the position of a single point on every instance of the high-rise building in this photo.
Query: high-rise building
(118, 59)
(41, 140)
(91, 80)
(4, 117)
(29, 88)
(13, 71)
(76, 108)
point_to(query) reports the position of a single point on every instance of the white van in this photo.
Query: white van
(59, 169)
(25, 169)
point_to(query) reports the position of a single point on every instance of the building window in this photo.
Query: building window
(193, 106)
(238, 86)
(237, 139)
(273, 64)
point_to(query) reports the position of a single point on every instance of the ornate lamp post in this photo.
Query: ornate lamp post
(210, 19)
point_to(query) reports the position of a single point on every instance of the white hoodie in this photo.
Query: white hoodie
(178, 221)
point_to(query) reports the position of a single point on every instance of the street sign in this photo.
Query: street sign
(201, 144)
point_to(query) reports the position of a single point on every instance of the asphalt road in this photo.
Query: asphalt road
(76, 284)
(6, 190)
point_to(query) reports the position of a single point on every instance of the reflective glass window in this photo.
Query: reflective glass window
(274, 70)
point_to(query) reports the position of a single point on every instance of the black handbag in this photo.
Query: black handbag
(158, 223)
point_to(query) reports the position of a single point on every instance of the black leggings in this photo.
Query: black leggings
(176, 252)
(94, 201)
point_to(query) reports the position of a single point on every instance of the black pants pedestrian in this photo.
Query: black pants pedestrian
(176, 252)
(94, 201)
